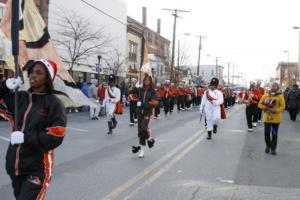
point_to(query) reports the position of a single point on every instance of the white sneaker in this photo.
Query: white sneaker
(254, 124)
(131, 124)
(142, 152)
(259, 121)
(135, 120)
(250, 129)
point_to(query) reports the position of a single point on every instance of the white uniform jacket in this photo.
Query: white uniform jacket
(210, 105)
(111, 101)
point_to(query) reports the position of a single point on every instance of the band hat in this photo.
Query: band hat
(50, 66)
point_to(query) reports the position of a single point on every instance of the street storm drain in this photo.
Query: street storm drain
(220, 179)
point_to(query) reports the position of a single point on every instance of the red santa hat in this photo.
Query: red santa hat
(50, 66)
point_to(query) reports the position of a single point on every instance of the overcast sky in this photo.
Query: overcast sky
(252, 34)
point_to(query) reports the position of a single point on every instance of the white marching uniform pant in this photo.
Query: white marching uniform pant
(94, 110)
(111, 102)
(211, 108)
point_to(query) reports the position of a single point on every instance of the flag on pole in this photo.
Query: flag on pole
(35, 43)
(145, 64)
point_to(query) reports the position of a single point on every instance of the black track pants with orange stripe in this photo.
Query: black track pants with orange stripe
(29, 187)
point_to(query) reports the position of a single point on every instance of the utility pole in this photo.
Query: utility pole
(217, 73)
(175, 14)
(233, 76)
(178, 60)
(228, 73)
(199, 53)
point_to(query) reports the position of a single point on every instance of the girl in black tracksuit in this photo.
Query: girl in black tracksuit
(41, 124)
(146, 104)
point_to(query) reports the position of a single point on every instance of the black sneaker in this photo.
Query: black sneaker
(267, 150)
(135, 149)
(274, 153)
(109, 132)
(151, 142)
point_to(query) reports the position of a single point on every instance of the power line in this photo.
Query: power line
(104, 13)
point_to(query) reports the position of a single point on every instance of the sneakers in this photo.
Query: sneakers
(131, 124)
(250, 129)
(142, 152)
(254, 124)
(151, 142)
(135, 149)
(267, 150)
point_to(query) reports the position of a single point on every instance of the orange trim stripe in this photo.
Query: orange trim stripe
(58, 131)
(48, 165)
(153, 102)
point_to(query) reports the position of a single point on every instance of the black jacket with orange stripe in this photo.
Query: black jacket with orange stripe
(148, 100)
(42, 119)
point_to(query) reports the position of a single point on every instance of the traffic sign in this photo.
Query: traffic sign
(98, 68)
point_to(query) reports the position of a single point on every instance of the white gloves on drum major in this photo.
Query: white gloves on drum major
(13, 83)
(16, 137)
(139, 104)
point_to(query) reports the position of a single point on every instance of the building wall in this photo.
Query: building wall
(286, 73)
(135, 38)
(208, 71)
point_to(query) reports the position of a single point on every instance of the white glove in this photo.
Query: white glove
(139, 104)
(13, 83)
(16, 137)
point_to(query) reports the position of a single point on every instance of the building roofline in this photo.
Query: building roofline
(131, 21)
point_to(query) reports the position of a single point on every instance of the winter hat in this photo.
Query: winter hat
(214, 82)
(50, 66)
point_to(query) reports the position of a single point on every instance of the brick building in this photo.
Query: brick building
(286, 73)
(158, 47)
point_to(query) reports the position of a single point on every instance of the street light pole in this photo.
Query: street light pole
(228, 73)
(287, 64)
(298, 68)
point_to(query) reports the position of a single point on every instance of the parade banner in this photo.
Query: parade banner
(35, 43)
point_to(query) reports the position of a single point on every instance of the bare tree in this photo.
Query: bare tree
(115, 61)
(78, 38)
(183, 61)
(183, 56)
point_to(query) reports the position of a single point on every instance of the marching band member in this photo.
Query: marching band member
(146, 104)
(210, 106)
(133, 98)
(112, 97)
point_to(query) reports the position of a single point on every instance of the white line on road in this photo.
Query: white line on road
(182, 149)
(77, 129)
(4, 138)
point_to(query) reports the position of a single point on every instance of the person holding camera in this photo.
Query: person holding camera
(273, 104)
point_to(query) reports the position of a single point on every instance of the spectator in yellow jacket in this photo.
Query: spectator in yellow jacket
(273, 104)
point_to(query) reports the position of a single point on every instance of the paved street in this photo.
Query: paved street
(183, 165)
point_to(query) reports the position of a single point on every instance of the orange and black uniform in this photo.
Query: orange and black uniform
(261, 94)
(166, 99)
(148, 104)
(159, 95)
(251, 106)
(180, 98)
(42, 119)
(173, 94)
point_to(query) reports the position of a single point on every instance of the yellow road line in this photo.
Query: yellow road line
(169, 164)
